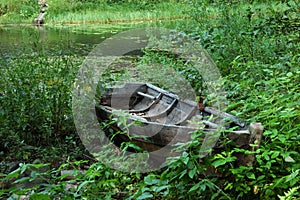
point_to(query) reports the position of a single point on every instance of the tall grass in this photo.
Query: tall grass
(118, 14)
(87, 12)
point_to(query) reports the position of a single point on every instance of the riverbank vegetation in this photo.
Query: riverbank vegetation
(91, 11)
(256, 47)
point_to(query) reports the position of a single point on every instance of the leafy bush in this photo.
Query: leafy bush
(25, 8)
(36, 97)
(262, 77)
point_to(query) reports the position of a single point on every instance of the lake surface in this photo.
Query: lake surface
(76, 39)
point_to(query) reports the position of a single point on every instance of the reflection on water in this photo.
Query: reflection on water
(75, 39)
(50, 39)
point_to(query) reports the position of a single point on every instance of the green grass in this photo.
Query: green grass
(119, 14)
(99, 13)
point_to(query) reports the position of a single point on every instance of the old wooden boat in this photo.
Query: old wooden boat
(156, 118)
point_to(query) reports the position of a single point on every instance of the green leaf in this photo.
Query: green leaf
(145, 195)
(182, 174)
(261, 177)
(151, 180)
(23, 168)
(160, 188)
(36, 196)
(126, 145)
(195, 187)
(107, 174)
(251, 175)
(21, 180)
(292, 176)
(83, 184)
(218, 163)
(275, 154)
(13, 174)
(37, 166)
(192, 172)
(144, 189)
(289, 74)
(289, 159)
(185, 158)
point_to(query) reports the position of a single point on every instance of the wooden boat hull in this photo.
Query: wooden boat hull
(163, 119)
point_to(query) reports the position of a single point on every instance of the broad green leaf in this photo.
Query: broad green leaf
(192, 172)
(160, 188)
(144, 189)
(289, 159)
(145, 195)
(275, 154)
(151, 180)
(218, 163)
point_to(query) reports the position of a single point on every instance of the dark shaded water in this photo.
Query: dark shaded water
(63, 39)
(66, 39)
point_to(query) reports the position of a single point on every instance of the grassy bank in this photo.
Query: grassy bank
(66, 12)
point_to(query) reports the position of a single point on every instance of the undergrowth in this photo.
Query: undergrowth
(256, 47)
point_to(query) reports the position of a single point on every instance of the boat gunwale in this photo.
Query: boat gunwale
(145, 122)
(144, 119)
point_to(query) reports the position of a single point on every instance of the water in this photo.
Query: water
(76, 39)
